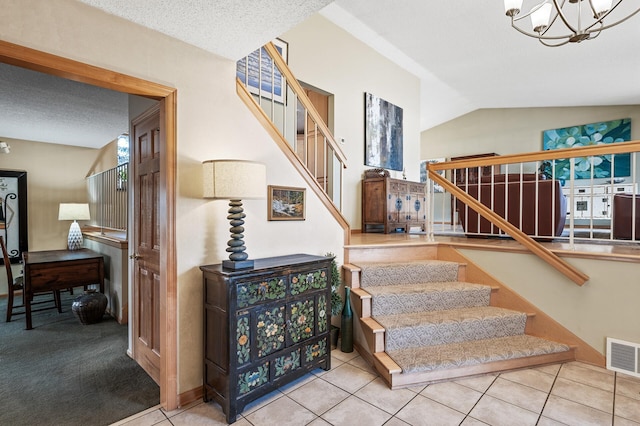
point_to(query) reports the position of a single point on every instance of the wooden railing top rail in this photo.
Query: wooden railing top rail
(304, 99)
(587, 151)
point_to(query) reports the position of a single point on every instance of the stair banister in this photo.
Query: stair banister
(552, 259)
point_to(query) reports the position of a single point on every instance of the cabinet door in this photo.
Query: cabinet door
(397, 201)
(301, 320)
(269, 325)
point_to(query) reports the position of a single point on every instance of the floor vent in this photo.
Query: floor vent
(623, 356)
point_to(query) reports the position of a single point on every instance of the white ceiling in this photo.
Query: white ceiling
(465, 53)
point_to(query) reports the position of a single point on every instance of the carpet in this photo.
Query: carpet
(66, 373)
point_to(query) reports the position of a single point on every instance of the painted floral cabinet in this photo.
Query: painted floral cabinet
(264, 327)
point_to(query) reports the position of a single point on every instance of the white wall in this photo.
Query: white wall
(327, 57)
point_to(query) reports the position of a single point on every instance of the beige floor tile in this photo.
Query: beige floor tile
(344, 356)
(290, 387)
(470, 421)
(201, 414)
(590, 367)
(261, 402)
(378, 394)
(150, 418)
(574, 414)
(318, 396)
(498, 413)
(282, 412)
(627, 387)
(584, 373)
(479, 383)
(453, 395)
(362, 364)
(394, 421)
(424, 411)
(531, 377)
(416, 389)
(546, 421)
(583, 394)
(517, 394)
(185, 407)
(626, 407)
(348, 377)
(628, 377)
(551, 369)
(620, 421)
(319, 422)
(355, 412)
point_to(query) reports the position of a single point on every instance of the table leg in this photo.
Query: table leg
(56, 295)
(27, 309)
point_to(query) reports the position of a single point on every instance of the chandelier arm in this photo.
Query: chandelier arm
(526, 15)
(538, 36)
(553, 45)
(604, 27)
(564, 18)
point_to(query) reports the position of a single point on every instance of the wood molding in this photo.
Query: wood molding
(77, 71)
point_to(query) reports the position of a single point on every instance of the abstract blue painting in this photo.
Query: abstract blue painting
(587, 135)
(383, 133)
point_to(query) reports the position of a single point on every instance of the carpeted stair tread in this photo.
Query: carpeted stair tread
(431, 296)
(377, 274)
(469, 353)
(451, 326)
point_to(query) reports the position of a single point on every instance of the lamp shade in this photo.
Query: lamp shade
(234, 179)
(74, 211)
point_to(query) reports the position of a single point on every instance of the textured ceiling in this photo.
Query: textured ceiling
(466, 55)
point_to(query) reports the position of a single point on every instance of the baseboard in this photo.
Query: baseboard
(190, 396)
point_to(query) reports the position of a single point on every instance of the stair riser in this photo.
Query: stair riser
(392, 274)
(454, 332)
(395, 304)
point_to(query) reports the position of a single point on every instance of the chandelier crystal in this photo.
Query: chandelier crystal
(558, 22)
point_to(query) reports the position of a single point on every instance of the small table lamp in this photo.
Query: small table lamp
(235, 180)
(74, 211)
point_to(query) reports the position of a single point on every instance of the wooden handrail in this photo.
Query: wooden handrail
(536, 248)
(556, 154)
(280, 140)
(304, 99)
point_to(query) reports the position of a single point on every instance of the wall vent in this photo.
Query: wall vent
(623, 357)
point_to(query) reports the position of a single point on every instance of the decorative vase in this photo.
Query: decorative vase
(334, 336)
(89, 307)
(346, 324)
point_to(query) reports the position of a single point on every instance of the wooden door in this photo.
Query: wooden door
(145, 147)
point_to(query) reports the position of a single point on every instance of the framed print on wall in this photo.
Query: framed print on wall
(383, 133)
(260, 67)
(286, 203)
(586, 135)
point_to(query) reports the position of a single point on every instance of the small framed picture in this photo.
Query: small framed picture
(286, 203)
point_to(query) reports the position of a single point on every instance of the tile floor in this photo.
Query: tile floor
(351, 393)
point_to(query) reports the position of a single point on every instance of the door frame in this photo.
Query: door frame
(47, 63)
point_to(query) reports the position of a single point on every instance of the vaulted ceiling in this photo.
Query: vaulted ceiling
(466, 54)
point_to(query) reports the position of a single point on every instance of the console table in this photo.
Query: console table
(264, 327)
(58, 270)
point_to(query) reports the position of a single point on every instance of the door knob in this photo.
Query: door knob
(135, 256)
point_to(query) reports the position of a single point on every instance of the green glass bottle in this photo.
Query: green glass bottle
(346, 325)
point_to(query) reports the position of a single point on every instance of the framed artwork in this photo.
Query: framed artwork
(260, 68)
(286, 203)
(383, 133)
(13, 213)
(587, 135)
(423, 172)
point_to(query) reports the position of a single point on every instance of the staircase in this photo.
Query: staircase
(420, 321)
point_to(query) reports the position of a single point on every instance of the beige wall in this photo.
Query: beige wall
(327, 57)
(212, 123)
(606, 306)
(516, 130)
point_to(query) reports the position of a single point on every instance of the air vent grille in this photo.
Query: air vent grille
(623, 356)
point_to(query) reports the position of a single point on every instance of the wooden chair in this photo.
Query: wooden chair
(18, 285)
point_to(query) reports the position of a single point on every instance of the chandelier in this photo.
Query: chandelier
(558, 22)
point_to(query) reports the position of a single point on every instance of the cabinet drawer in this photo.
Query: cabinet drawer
(303, 282)
(252, 378)
(260, 290)
(315, 350)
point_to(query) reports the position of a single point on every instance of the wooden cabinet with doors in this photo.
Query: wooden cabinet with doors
(264, 327)
(392, 205)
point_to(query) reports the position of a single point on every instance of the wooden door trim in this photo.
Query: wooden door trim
(47, 63)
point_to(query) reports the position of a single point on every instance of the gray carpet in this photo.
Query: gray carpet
(66, 373)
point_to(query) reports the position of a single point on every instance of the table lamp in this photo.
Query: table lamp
(234, 180)
(75, 212)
